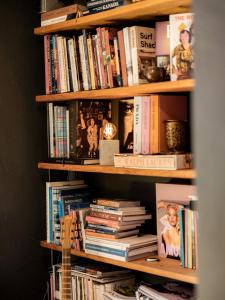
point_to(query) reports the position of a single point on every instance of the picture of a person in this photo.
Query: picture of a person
(183, 57)
(101, 134)
(170, 233)
(92, 138)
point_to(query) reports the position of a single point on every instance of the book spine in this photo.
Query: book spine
(104, 56)
(128, 55)
(52, 64)
(108, 203)
(154, 124)
(145, 126)
(108, 57)
(99, 234)
(181, 219)
(101, 63)
(137, 124)
(106, 250)
(97, 3)
(77, 63)
(67, 134)
(122, 58)
(94, 220)
(47, 64)
(83, 65)
(91, 62)
(66, 66)
(71, 59)
(103, 254)
(103, 215)
(87, 62)
(62, 69)
(134, 54)
(96, 62)
(73, 114)
(104, 7)
(118, 73)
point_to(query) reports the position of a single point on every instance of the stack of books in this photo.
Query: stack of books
(166, 291)
(95, 6)
(113, 227)
(90, 281)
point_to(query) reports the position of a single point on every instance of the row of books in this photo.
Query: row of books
(63, 198)
(74, 130)
(189, 238)
(110, 57)
(90, 281)
(177, 223)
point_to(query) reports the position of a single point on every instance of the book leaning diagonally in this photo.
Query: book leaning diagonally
(159, 162)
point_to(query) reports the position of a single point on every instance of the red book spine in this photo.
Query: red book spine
(108, 57)
(107, 216)
(106, 222)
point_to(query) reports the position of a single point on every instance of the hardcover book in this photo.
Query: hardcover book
(87, 119)
(142, 44)
(158, 162)
(181, 46)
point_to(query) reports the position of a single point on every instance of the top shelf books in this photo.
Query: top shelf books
(148, 9)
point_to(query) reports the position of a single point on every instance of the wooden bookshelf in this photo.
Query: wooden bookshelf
(165, 267)
(149, 9)
(123, 92)
(185, 174)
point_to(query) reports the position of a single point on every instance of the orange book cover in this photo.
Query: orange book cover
(165, 107)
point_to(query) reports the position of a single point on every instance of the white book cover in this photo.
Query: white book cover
(126, 33)
(137, 124)
(142, 43)
(61, 62)
(83, 63)
(72, 60)
(181, 46)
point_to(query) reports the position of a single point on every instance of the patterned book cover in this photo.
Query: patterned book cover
(87, 119)
(181, 46)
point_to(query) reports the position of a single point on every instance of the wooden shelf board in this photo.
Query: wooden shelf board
(185, 174)
(135, 11)
(166, 267)
(186, 85)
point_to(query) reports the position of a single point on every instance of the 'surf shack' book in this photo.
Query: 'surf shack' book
(142, 42)
(181, 46)
(87, 119)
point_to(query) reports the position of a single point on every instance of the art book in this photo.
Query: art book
(142, 43)
(181, 46)
(170, 198)
(87, 119)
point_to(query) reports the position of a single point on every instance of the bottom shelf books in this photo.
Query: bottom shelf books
(90, 281)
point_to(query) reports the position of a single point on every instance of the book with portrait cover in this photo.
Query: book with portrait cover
(126, 125)
(181, 46)
(170, 198)
(86, 121)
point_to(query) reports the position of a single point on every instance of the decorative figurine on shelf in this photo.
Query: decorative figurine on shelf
(108, 146)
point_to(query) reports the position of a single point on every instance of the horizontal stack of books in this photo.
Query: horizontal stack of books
(95, 6)
(113, 227)
(166, 291)
(90, 281)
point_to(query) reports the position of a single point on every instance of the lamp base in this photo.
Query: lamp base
(107, 149)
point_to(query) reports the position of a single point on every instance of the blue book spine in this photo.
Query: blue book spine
(104, 249)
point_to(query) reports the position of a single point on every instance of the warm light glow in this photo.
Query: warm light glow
(109, 131)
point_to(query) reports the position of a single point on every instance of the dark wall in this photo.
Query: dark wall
(209, 117)
(22, 222)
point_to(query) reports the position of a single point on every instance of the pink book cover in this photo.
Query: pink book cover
(145, 125)
(162, 38)
(169, 199)
(47, 64)
(165, 107)
(101, 221)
